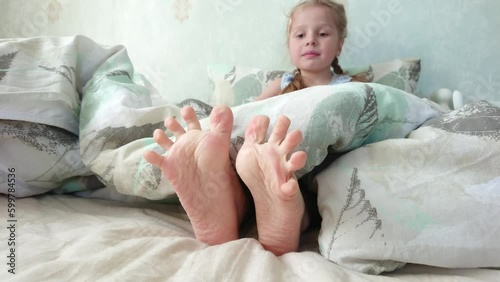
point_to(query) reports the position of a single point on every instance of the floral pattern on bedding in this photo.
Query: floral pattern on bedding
(40, 137)
(480, 119)
(45, 158)
(5, 62)
(435, 194)
(356, 206)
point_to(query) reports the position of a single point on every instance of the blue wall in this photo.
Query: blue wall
(457, 40)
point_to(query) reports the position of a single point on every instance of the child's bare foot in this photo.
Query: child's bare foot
(198, 167)
(264, 168)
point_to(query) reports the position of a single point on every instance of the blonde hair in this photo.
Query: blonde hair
(340, 20)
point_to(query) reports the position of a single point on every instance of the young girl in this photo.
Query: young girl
(315, 35)
(198, 165)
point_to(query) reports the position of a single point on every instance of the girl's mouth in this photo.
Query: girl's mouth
(310, 54)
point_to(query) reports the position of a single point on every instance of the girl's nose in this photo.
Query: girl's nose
(311, 40)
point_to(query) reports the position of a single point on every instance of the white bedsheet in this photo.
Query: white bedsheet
(66, 238)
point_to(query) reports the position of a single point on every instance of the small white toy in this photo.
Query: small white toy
(447, 99)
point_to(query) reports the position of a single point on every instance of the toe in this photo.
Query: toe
(291, 141)
(297, 161)
(162, 139)
(257, 129)
(189, 116)
(290, 188)
(221, 120)
(280, 130)
(174, 126)
(153, 158)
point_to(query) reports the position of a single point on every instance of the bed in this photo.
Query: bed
(408, 187)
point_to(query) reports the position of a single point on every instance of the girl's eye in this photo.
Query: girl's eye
(300, 35)
(323, 34)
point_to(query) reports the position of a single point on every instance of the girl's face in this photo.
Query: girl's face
(313, 40)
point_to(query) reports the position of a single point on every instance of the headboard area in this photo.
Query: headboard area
(173, 42)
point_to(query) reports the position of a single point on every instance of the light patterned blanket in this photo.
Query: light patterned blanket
(431, 198)
(75, 116)
(71, 110)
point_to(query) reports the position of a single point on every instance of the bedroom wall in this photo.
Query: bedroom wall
(173, 41)
(457, 41)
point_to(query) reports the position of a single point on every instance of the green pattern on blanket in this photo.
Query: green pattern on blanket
(338, 118)
(117, 120)
(363, 114)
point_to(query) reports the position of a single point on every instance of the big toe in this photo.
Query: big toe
(221, 120)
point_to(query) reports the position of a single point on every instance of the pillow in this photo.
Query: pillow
(400, 73)
(335, 118)
(431, 198)
(235, 85)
